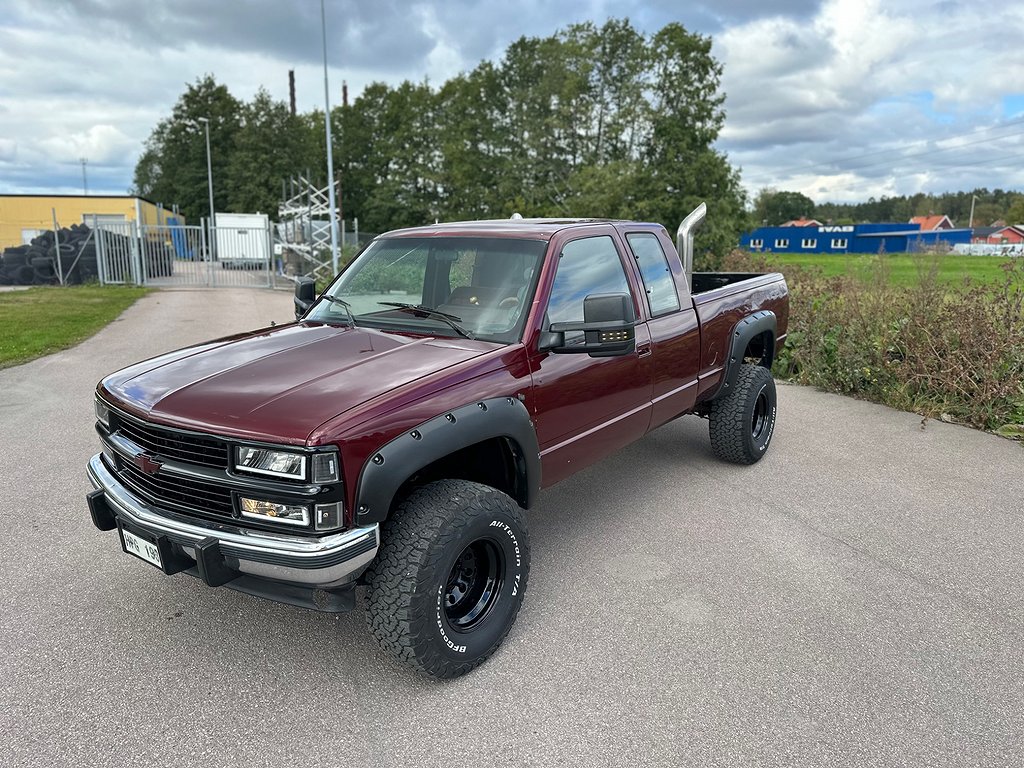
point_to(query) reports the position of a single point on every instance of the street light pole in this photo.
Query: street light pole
(330, 158)
(209, 182)
(85, 179)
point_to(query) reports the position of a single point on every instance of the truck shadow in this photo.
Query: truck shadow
(581, 519)
(615, 489)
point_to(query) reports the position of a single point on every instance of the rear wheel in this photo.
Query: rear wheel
(742, 424)
(450, 576)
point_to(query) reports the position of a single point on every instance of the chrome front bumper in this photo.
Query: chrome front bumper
(323, 563)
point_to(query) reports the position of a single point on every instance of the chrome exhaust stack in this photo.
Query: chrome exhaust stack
(684, 239)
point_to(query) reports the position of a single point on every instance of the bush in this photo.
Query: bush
(952, 354)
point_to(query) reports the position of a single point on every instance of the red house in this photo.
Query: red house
(1011, 235)
(930, 223)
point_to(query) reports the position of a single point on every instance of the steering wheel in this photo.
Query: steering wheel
(508, 302)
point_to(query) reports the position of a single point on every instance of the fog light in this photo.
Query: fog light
(329, 516)
(102, 412)
(325, 467)
(293, 514)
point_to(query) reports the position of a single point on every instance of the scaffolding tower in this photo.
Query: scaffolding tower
(304, 227)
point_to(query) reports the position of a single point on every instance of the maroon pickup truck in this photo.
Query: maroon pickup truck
(395, 435)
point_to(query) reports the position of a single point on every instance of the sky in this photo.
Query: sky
(841, 100)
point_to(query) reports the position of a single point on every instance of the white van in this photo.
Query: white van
(242, 240)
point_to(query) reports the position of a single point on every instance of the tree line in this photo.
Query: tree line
(773, 207)
(588, 122)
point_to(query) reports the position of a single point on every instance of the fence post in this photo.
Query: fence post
(271, 260)
(144, 252)
(136, 261)
(56, 245)
(101, 252)
(205, 257)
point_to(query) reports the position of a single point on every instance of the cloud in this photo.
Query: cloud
(815, 89)
(100, 144)
(857, 99)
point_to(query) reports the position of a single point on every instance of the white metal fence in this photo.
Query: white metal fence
(988, 249)
(180, 255)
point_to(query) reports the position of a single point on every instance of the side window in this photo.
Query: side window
(586, 266)
(661, 288)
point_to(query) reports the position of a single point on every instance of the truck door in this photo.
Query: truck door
(674, 328)
(585, 408)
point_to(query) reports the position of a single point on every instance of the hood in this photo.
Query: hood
(279, 384)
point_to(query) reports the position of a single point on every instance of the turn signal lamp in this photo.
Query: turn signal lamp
(102, 413)
(325, 467)
(329, 516)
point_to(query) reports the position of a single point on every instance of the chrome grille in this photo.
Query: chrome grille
(171, 444)
(185, 492)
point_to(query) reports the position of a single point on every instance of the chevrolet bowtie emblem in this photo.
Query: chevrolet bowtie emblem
(147, 464)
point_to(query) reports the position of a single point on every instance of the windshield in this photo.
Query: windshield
(475, 287)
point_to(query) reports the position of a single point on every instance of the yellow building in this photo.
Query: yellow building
(22, 217)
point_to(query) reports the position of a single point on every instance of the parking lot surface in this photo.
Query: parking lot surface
(856, 599)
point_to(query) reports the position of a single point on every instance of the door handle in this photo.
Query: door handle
(643, 349)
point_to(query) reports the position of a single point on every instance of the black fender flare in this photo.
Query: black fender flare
(391, 465)
(762, 321)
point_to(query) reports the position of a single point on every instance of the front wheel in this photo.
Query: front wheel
(450, 576)
(742, 424)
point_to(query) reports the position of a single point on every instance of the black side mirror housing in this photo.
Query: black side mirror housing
(305, 295)
(607, 327)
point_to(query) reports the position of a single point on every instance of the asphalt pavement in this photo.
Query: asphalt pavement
(855, 599)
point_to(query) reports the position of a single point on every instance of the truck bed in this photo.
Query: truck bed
(708, 281)
(721, 300)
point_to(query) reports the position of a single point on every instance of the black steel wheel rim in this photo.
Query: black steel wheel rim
(474, 584)
(760, 417)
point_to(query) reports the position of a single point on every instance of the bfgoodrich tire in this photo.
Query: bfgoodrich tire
(742, 424)
(450, 576)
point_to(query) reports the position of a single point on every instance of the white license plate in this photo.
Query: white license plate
(142, 549)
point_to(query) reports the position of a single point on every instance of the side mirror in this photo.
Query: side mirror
(305, 295)
(607, 327)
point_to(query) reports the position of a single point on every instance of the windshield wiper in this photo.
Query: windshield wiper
(343, 304)
(451, 320)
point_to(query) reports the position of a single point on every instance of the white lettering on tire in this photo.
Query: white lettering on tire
(771, 429)
(515, 541)
(440, 625)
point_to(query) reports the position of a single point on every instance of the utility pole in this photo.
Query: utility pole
(970, 224)
(85, 179)
(330, 156)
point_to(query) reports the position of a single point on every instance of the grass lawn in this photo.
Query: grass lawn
(42, 320)
(902, 268)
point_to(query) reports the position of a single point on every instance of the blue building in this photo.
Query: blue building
(851, 238)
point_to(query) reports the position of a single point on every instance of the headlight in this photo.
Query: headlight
(102, 412)
(263, 461)
(293, 514)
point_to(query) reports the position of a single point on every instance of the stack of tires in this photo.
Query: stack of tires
(37, 262)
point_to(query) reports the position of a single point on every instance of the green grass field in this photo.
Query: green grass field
(901, 269)
(42, 320)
